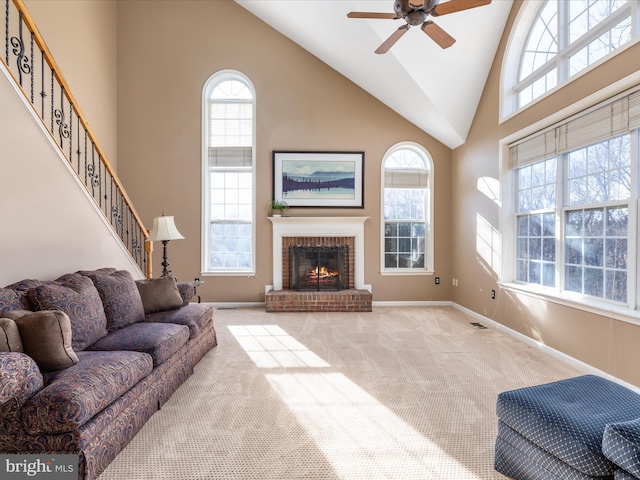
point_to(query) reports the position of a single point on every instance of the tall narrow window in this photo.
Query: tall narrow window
(406, 209)
(596, 238)
(535, 223)
(228, 226)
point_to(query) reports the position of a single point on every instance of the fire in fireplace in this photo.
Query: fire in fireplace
(319, 267)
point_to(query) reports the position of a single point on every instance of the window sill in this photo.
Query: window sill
(230, 273)
(580, 302)
(406, 272)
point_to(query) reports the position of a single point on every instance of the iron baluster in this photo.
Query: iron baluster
(43, 94)
(99, 183)
(52, 100)
(6, 33)
(22, 61)
(70, 133)
(78, 151)
(31, 69)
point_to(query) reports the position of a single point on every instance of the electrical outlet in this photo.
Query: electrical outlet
(493, 294)
(437, 280)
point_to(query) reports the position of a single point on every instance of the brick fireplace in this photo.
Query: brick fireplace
(318, 231)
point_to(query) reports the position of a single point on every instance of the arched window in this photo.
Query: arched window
(228, 213)
(555, 40)
(407, 204)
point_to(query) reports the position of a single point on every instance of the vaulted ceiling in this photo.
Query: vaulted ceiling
(436, 89)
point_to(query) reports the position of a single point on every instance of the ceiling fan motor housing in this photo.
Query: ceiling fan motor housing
(405, 7)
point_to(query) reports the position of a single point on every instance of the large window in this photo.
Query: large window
(406, 208)
(228, 175)
(576, 196)
(563, 38)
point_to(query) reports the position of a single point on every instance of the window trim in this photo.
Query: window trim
(429, 268)
(507, 225)
(211, 82)
(511, 60)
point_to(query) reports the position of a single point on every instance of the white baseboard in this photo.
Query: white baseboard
(412, 304)
(230, 305)
(574, 362)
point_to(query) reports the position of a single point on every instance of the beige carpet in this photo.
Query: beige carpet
(398, 393)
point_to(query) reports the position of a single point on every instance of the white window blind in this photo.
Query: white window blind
(406, 178)
(230, 157)
(607, 120)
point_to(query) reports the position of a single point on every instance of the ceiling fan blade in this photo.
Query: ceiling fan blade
(416, 4)
(389, 42)
(437, 34)
(391, 16)
(453, 6)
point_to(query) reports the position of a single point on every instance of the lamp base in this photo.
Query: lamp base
(165, 262)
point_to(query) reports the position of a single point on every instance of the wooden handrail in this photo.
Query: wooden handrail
(61, 80)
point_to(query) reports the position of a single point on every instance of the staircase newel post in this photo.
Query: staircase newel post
(148, 249)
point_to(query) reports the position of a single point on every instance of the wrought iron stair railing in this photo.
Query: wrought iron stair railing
(34, 69)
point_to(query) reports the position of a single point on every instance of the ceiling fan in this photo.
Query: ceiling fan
(415, 12)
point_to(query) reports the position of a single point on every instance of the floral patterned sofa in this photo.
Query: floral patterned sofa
(85, 360)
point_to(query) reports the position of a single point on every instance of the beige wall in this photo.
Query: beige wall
(166, 52)
(607, 344)
(81, 35)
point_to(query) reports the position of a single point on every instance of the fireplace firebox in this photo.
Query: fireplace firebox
(319, 268)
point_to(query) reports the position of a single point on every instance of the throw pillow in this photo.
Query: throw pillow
(159, 294)
(120, 297)
(76, 296)
(46, 337)
(9, 336)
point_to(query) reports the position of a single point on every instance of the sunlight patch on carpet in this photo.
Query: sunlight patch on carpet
(358, 435)
(269, 346)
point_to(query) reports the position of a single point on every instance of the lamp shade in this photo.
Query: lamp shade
(164, 228)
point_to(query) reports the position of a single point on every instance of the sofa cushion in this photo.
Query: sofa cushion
(621, 445)
(74, 395)
(160, 340)
(76, 296)
(195, 316)
(46, 337)
(120, 297)
(159, 294)
(567, 418)
(10, 340)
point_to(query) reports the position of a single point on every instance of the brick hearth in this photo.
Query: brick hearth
(343, 301)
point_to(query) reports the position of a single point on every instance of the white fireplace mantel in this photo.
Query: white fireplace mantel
(319, 227)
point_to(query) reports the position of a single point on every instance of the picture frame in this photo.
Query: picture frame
(319, 179)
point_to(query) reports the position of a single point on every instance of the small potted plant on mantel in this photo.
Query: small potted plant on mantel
(279, 207)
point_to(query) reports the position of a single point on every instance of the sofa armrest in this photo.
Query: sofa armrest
(20, 377)
(187, 291)
(621, 445)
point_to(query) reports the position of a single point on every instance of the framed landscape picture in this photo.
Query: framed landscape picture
(319, 179)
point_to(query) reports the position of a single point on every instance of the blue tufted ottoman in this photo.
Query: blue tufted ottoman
(555, 431)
